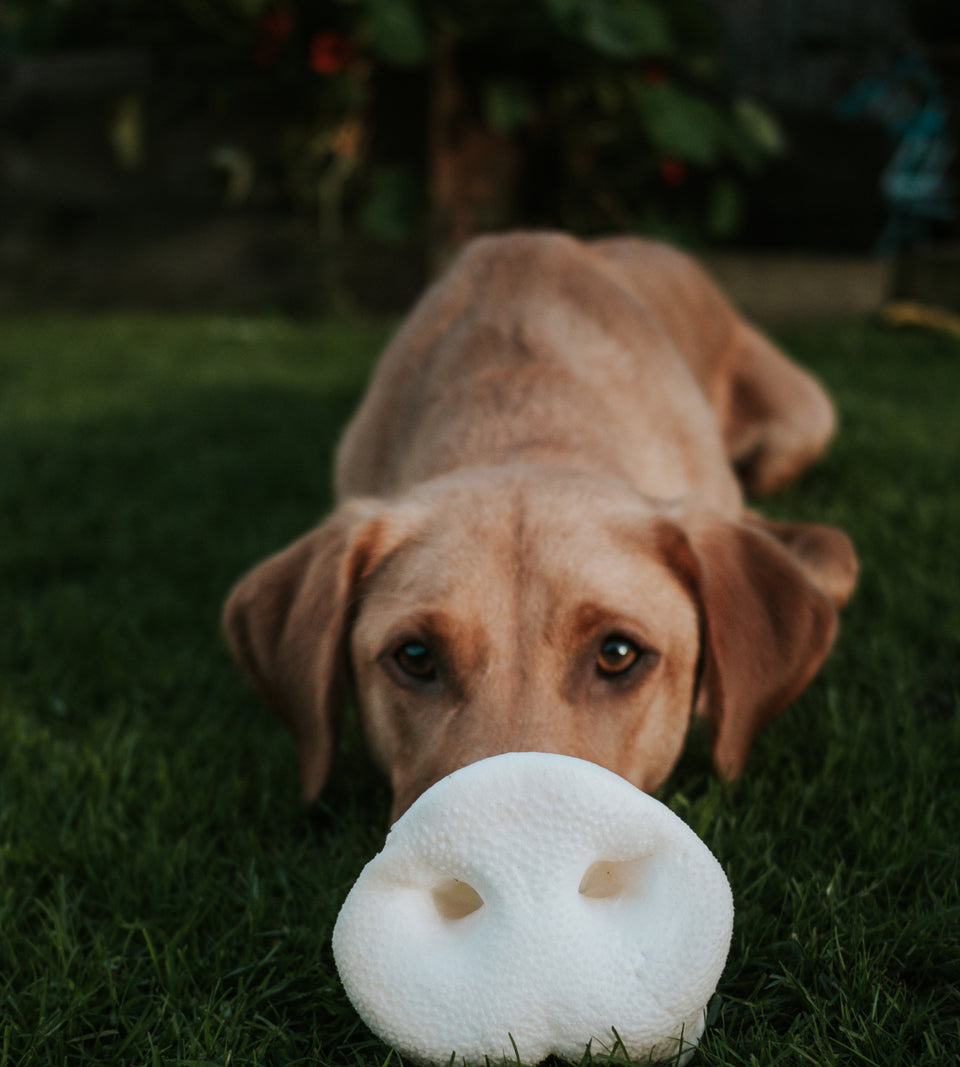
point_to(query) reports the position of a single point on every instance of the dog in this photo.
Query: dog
(541, 541)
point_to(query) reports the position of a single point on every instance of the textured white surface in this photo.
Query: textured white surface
(478, 925)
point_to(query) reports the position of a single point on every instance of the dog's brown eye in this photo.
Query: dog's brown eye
(617, 654)
(415, 659)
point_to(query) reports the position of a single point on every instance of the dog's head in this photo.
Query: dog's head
(494, 611)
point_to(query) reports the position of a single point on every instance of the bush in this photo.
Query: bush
(444, 117)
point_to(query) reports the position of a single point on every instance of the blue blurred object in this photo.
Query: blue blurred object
(915, 183)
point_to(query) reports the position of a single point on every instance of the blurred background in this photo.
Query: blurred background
(304, 156)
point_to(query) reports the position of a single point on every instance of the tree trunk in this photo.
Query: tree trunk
(473, 170)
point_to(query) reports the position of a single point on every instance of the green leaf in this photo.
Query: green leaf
(625, 29)
(392, 205)
(760, 126)
(507, 105)
(724, 209)
(396, 32)
(753, 135)
(680, 124)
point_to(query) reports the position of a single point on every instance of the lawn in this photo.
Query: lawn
(163, 897)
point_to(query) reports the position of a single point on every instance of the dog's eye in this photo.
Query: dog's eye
(617, 654)
(416, 660)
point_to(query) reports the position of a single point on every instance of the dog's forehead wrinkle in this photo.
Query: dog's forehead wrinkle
(521, 593)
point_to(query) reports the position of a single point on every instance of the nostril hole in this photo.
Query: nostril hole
(611, 878)
(455, 899)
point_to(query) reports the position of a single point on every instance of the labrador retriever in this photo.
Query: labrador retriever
(541, 541)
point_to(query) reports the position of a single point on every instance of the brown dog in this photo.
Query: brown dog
(541, 542)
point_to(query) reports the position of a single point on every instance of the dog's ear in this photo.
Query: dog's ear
(825, 553)
(766, 627)
(285, 622)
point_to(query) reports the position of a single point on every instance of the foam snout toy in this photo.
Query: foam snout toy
(531, 904)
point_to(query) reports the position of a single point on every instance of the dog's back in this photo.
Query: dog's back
(538, 346)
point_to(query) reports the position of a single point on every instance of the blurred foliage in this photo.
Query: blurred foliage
(619, 108)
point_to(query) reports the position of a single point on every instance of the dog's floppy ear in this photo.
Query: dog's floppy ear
(285, 623)
(767, 627)
(825, 553)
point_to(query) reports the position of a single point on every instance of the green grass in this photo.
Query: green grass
(164, 899)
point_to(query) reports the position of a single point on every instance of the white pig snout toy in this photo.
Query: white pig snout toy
(532, 904)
